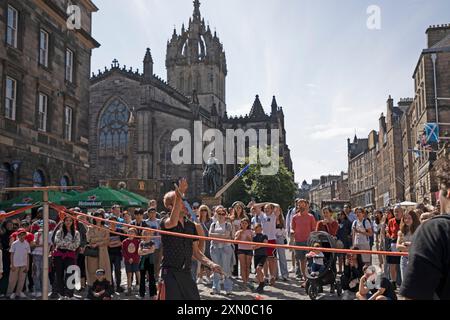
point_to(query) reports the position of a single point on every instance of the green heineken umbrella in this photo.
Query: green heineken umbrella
(34, 197)
(144, 201)
(102, 197)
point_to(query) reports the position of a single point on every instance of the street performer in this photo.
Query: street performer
(177, 282)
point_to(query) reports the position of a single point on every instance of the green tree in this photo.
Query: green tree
(279, 188)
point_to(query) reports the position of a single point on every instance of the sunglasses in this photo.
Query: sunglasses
(222, 214)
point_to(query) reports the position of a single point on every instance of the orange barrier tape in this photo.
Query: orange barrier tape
(266, 245)
(16, 212)
(109, 230)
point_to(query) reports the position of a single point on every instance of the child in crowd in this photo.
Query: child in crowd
(101, 288)
(260, 256)
(245, 252)
(147, 265)
(38, 261)
(130, 254)
(317, 265)
(20, 250)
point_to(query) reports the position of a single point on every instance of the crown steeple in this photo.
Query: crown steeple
(197, 15)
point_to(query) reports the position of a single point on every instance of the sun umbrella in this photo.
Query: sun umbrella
(102, 197)
(144, 201)
(34, 197)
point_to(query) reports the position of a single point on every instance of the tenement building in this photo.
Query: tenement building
(133, 114)
(362, 155)
(44, 90)
(389, 159)
(431, 104)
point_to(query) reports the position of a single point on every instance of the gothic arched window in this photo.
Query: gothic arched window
(113, 129)
(167, 169)
(38, 179)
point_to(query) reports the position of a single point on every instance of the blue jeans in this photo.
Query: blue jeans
(194, 267)
(403, 266)
(223, 257)
(38, 263)
(282, 258)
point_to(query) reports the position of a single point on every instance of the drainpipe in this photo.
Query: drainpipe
(434, 58)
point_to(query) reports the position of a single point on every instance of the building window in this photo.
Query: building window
(69, 65)
(5, 175)
(64, 182)
(42, 114)
(38, 179)
(113, 133)
(10, 98)
(11, 31)
(68, 116)
(43, 48)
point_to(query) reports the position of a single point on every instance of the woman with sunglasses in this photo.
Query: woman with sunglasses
(222, 253)
(205, 221)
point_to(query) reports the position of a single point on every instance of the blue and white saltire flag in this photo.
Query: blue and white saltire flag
(432, 133)
(232, 181)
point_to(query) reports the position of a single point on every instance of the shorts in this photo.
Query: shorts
(130, 268)
(245, 252)
(300, 254)
(260, 261)
(369, 295)
(271, 251)
(366, 258)
(392, 259)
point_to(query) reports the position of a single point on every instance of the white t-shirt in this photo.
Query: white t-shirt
(21, 251)
(269, 226)
(358, 225)
(225, 229)
(318, 258)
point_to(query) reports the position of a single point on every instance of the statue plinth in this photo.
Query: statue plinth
(211, 201)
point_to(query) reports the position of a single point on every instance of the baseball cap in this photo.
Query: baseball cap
(21, 230)
(196, 205)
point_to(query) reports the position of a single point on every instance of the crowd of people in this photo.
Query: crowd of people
(102, 244)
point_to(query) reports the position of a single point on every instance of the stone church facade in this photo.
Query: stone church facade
(133, 114)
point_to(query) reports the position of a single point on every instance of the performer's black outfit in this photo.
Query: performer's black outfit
(177, 261)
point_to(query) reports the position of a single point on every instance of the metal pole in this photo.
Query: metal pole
(45, 247)
(434, 58)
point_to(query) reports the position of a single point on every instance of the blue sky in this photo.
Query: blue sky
(331, 74)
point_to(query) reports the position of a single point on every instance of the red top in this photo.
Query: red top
(303, 225)
(130, 250)
(393, 229)
(331, 228)
(29, 237)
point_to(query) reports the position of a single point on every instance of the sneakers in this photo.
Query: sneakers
(214, 291)
(199, 280)
(120, 290)
(292, 270)
(53, 295)
(228, 293)
(260, 288)
(12, 296)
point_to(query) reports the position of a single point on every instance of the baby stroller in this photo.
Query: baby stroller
(328, 274)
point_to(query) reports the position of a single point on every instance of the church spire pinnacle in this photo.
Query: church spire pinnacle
(197, 10)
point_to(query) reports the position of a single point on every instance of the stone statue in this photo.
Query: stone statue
(211, 176)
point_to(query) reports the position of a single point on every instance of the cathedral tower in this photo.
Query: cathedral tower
(196, 60)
